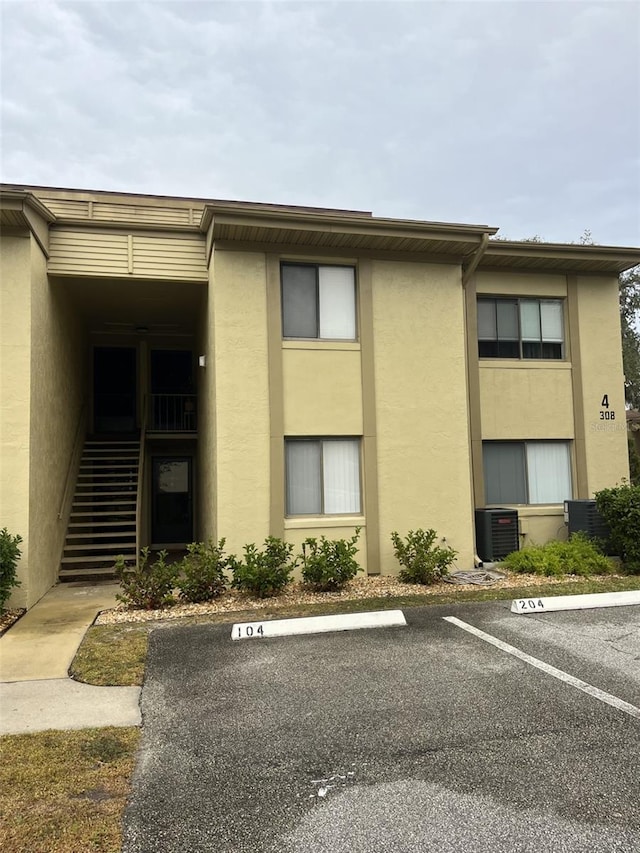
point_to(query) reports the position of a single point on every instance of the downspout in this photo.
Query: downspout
(467, 272)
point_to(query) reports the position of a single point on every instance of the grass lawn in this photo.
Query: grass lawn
(65, 792)
(115, 654)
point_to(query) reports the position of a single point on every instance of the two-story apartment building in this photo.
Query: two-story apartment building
(176, 369)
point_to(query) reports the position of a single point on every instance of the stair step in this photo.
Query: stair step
(100, 546)
(101, 512)
(108, 466)
(122, 534)
(105, 494)
(89, 574)
(103, 558)
(101, 474)
(100, 524)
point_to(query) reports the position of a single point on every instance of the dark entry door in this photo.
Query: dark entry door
(172, 504)
(114, 389)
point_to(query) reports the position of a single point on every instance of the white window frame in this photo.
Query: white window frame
(321, 303)
(325, 488)
(533, 487)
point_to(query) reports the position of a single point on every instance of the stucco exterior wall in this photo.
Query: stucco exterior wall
(521, 399)
(238, 312)
(421, 405)
(15, 398)
(58, 393)
(297, 530)
(322, 389)
(600, 362)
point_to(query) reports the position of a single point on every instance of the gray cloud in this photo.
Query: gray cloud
(520, 114)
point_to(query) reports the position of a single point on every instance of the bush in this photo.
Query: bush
(422, 561)
(620, 508)
(9, 555)
(148, 587)
(329, 564)
(202, 574)
(579, 555)
(263, 573)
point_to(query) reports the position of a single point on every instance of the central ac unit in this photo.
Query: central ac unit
(497, 533)
(582, 516)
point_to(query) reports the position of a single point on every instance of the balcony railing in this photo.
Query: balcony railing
(173, 413)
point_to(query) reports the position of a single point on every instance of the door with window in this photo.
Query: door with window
(172, 500)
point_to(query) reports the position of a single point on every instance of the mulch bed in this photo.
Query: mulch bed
(9, 618)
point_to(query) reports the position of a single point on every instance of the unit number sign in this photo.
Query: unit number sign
(606, 414)
(528, 605)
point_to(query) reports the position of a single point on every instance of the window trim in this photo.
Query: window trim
(322, 440)
(495, 298)
(568, 443)
(317, 265)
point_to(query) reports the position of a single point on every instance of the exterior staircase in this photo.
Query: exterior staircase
(102, 524)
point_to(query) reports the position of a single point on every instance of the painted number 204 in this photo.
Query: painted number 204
(531, 604)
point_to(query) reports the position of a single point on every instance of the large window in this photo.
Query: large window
(526, 472)
(323, 476)
(318, 302)
(520, 328)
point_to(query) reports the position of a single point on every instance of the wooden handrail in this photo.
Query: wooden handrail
(75, 453)
(143, 438)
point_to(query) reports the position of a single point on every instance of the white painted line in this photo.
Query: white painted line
(317, 624)
(575, 602)
(620, 704)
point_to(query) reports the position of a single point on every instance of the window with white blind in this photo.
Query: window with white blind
(526, 472)
(318, 302)
(323, 476)
(520, 328)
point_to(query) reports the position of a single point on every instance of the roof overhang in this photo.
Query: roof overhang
(343, 231)
(558, 257)
(22, 210)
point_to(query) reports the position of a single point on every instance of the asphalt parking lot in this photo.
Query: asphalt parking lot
(419, 738)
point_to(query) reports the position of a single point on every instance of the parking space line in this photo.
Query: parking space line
(607, 698)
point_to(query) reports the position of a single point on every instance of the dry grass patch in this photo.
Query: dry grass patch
(112, 656)
(65, 792)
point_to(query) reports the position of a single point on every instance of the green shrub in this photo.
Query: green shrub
(148, 586)
(202, 574)
(620, 508)
(579, 555)
(329, 564)
(422, 560)
(263, 573)
(9, 555)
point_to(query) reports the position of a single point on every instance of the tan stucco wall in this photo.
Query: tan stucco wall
(541, 524)
(58, 391)
(322, 390)
(523, 400)
(238, 311)
(600, 358)
(421, 405)
(15, 394)
(521, 284)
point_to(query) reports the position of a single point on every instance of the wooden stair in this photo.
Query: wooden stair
(102, 524)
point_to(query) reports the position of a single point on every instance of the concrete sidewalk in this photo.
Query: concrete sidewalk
(35, 654)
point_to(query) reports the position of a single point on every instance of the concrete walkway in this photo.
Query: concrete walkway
(35, 655)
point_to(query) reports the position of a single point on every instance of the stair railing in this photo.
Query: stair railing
(141, 456)
(74, 458)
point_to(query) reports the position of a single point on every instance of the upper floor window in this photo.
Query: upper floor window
(520, 328)
(318, 302)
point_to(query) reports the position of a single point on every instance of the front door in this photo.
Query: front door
(114, 389)
(172, 504)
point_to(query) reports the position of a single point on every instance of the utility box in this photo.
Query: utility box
(582, 516)
(497, 533)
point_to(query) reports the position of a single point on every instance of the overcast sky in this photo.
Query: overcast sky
(519, 114)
